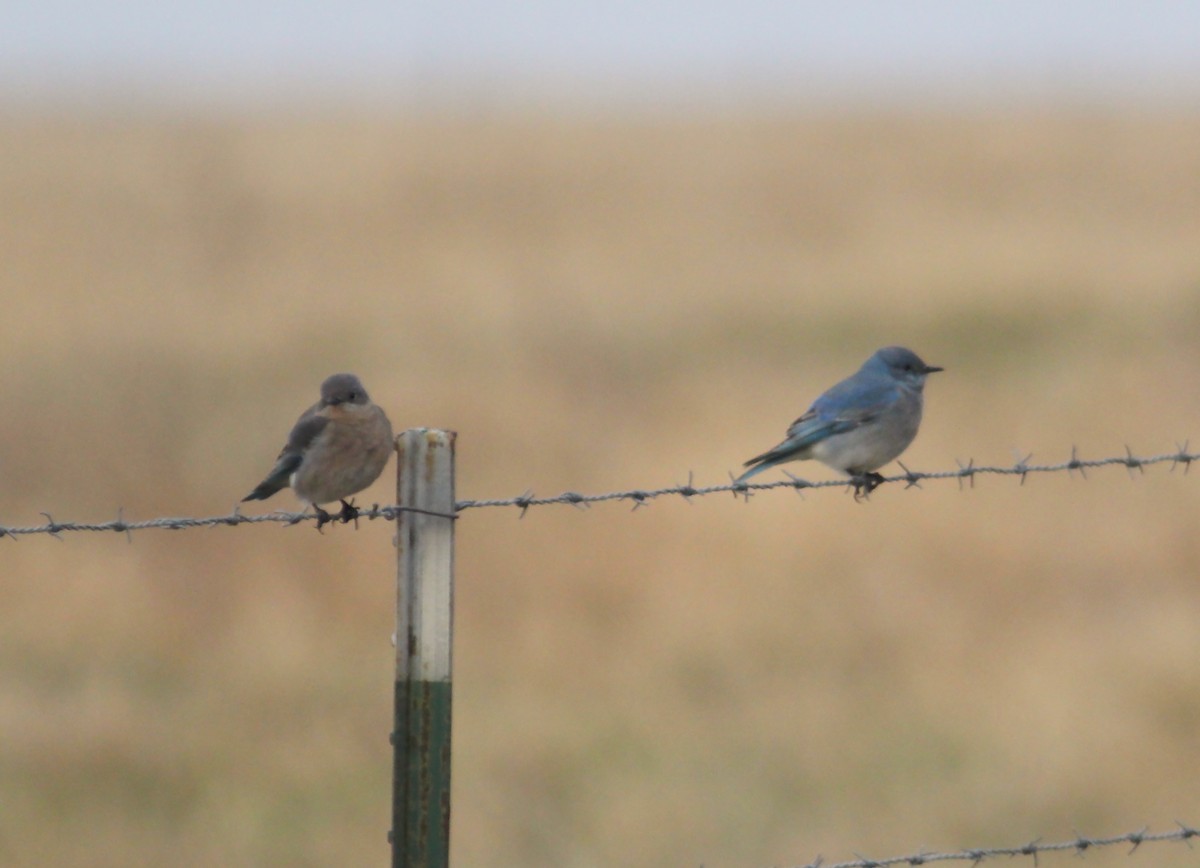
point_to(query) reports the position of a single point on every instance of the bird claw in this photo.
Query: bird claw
(864, 484)
(323, 517)
(348, 514)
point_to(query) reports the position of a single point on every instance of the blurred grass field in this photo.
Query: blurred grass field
(598, 304)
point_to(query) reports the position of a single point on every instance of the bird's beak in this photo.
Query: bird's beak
(932, 369)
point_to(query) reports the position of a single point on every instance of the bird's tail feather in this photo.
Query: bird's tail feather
(279, 478)
(265, 489)
(763, 462)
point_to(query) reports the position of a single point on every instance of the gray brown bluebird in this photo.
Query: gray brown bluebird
(337, 448)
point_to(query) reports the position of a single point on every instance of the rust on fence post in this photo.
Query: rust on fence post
(420, 835)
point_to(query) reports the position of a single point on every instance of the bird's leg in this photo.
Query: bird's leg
(865, 483)
(349, 513)
(323, 518)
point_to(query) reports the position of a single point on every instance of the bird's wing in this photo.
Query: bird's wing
(849, 404)
(304, 432)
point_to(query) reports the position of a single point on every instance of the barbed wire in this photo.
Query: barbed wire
(1080, 846)
(638, 497)
(967, 471)
(120, 525)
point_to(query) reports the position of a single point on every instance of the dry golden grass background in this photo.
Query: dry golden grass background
(596, 304)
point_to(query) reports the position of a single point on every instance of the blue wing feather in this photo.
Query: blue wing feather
(844, 407)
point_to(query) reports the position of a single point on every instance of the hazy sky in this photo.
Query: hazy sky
(650, 50)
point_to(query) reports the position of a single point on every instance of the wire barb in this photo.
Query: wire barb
(797, 483)
(121, 527)
(575, 499)
(967, 470)
(1131, 462)
(1182, 457)
(1076, 464)
(52, 528)
(912, 480)
(1022, 467)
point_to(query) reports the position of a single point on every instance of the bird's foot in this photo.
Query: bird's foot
(348, 514)
(864, 484)
(323, 518)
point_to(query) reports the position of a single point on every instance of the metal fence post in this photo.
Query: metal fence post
(420, 835)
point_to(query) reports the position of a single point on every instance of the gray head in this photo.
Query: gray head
(902, 364)
(343, 389)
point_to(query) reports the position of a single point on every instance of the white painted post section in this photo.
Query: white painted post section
(424, 642)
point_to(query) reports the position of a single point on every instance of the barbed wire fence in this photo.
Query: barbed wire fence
(966, 473)
(425, 519)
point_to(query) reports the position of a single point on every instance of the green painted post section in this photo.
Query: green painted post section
(420, 835)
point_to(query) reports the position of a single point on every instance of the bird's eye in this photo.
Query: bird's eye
(352, 396)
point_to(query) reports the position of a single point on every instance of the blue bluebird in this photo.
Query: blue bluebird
(860, 424)
(337, 448)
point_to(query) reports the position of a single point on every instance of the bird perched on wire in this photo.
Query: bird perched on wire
(337, 448)
(860, 424)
